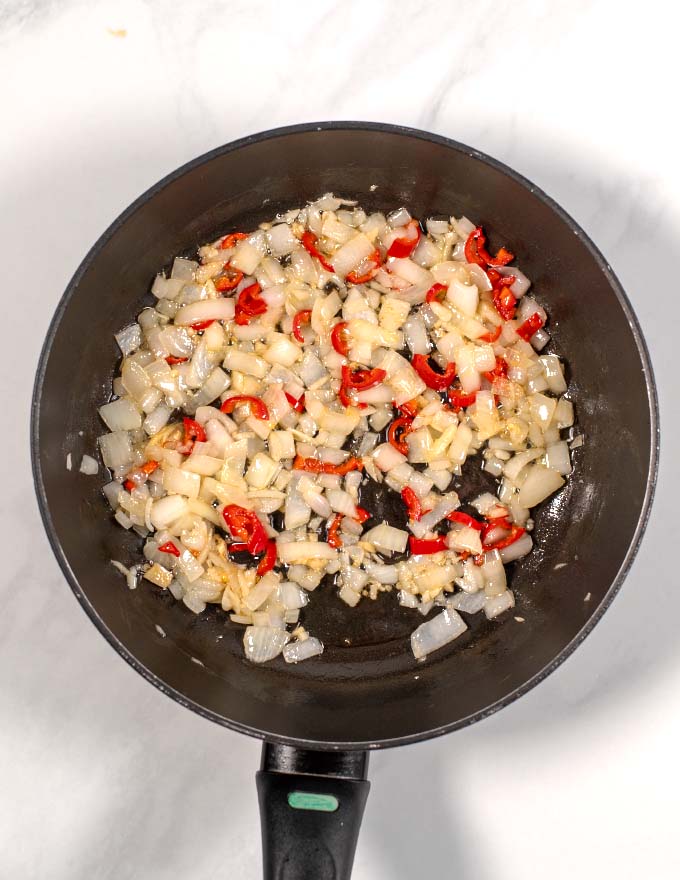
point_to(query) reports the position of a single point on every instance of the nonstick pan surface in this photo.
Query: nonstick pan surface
(366, 691)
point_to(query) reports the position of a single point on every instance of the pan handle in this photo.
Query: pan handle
(311, 806)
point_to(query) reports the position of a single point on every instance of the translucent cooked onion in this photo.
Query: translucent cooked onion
(316, 338)
(263, 643)
(435, 633)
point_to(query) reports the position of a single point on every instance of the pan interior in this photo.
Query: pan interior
(367, 688)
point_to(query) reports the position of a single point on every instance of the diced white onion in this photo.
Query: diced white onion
(435, 633)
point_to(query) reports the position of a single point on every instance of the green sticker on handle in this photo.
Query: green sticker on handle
(305, 800)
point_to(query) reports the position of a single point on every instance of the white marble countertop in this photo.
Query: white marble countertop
(103, 776)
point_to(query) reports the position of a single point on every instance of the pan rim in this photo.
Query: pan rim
(652, 397)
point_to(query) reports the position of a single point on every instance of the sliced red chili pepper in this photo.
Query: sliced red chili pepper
(500, 371)
(362, 515)
(229, 279)
(148, 467)
(257, 407)
(530, 326)
(298, 405)
(202, 325)
(249, 304)
(332, 536)
(246, 526)
(504, 303)
(503, 299)
(465, 520)
(433, 379)
(300, 318)
(169, 547)
(310, 244)
(491, 337)
(475, 252)
(237, 547)
(459, 399)
(420, 547)
(301, 463)
(498, 522)
(410, 409)
(407, 241)
(516, 533)
(130, 485)
(347, 397)
(268, 561)
(361, 380)
(397, 432)
(436, 293)
(412, 502)
(172, 360)
(140, 475)
(353, 278)
(230, 240)
(339, 338)
(193, 433)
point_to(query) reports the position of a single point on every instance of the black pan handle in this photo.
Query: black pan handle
(311, 806)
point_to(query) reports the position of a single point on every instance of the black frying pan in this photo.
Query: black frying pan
(319, 719)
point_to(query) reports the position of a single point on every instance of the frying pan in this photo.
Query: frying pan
(318, 720)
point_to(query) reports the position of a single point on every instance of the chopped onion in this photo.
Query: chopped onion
(263, 643)
(496, 605)
(121, 415)
(129, 339)
(88, 465)
(295, 652)
(435, 633)
(387, 539)
(221, 309)
(538, 485)
(303, 551)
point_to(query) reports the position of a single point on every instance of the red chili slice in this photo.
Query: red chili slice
(465, 520)
(257, 407)
(268, 561)
(347, 397)
(475, 252)
(406, 242)
(139, 475)
(375, 258)
(420, 547)
(433, 379)
(530, 326)
(298, 405)
(436, 293)
(229, 279)
(246, 526)
(516, 533)
(172, 360)
(193, 433)
(230, 240)
(410, 408)
(202, 325)
(339, 338)
(249, 304)
(503, 299)
(459, 399)
(500, 371)
(332, 536)
(362, 515)
(360, 379)
(412, 502)
(169, 547)
(491, 337)
(309, 243)
(397, 432)
(300, 318)
(315, 466)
